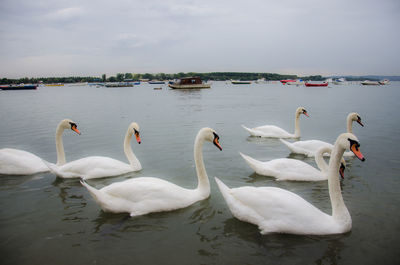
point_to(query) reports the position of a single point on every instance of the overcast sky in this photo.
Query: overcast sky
(40, 38)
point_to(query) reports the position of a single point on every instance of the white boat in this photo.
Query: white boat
(370, 83)
(339, 81)
(384, 82)
(240, 82)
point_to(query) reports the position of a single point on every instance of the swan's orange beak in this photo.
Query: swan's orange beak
(216, 142)
(354, 148)
(305, 113)
(341, 170)
(75, 130)
(359, 122)
(137, 137)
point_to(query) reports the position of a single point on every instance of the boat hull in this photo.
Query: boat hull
(314, 85)
(194, 86)
(241, 82)
(370, 83)
(18, 87)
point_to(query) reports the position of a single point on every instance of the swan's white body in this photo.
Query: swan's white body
(144, 195)
(19, 162)
(310, 147)
(276, 210)
(291, 169)
(273, 131)
(100, 166)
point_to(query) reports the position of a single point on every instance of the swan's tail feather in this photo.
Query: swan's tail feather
(235, 206)
(285, 142)
(253, 163)
(247, 129)
(53, 167)
(225, 191)
(94, 192)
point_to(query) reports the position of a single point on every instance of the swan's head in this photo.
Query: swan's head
(69, 124)
(134, 128)
(355, 117)
(350, 141)
(301, 110)
(211, 136)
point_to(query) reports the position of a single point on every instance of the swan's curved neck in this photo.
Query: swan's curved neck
(297, 125)
(339, 209)
(59, 145)
(349, 124)
(203, 185)
(319, 159)
(133, 161)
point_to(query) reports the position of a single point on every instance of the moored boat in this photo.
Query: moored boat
(240, 82)
(296, 82)
(316, 84)
(119, 84)
(285, 81)
(189, 83)
(339, 81)
(154, 82)
(384, 82)
(370, 83)
(18, 87)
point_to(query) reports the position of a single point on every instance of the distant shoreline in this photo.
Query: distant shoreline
(212, 76)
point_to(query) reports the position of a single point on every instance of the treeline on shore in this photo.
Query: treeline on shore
(214, 76)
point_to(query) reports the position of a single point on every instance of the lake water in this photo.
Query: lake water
(45, 220)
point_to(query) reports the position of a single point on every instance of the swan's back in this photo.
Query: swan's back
(143, 195)
(277, 210)
(285, 169)
(310, 147)
(93, 167)
(272, 131)
(19, 162)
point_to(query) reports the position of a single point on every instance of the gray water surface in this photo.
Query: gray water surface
(45, 220)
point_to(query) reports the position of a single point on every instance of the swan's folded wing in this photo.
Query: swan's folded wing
(278, 210)
(153, 194)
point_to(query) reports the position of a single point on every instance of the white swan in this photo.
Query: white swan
(19, 162)
(310, 147)
(139, 196)
(293, 169)
(273, 131)
(276, 210)
(100, 166)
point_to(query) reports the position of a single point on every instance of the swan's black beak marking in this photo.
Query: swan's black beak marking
(359, 121)
(355, 148)
(137, 136)
(74, 127)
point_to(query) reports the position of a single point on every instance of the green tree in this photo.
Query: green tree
(120, 77)
(128, 76)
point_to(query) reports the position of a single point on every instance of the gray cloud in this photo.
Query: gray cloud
(47, 37)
